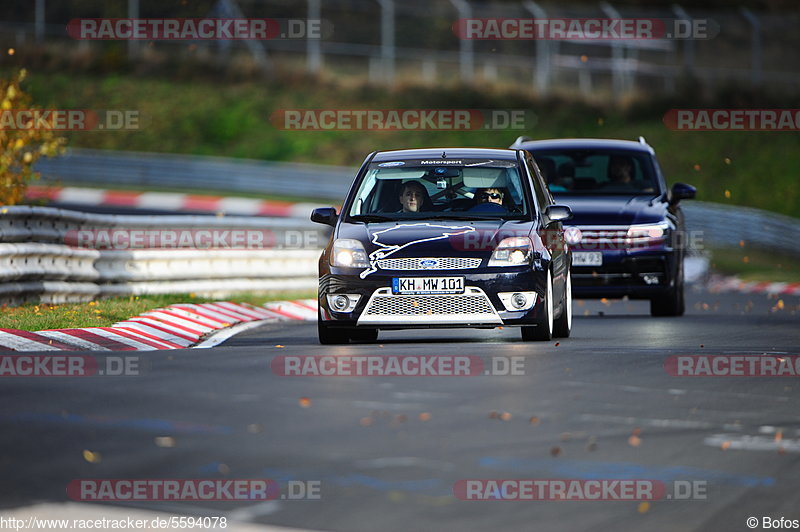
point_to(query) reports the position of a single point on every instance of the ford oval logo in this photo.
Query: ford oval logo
(428, 263)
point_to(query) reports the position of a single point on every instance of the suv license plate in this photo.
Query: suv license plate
(587, 258)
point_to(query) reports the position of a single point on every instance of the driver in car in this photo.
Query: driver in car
(620, 170)
(413, 196)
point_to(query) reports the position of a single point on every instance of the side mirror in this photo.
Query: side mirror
(558, 213)
(324, 215)
(681, 191)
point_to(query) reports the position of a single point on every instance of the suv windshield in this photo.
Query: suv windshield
(412, 189)
(597, 172)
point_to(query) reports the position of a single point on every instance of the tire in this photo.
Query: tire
(673, 302)
(543, 330)
(331, 336)
(562, 327)
(364, 335)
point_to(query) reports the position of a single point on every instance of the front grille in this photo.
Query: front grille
(445, 263)
(429, 305)
(603, 238)
(473, 306)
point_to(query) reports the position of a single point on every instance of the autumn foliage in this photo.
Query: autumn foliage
(21, 148)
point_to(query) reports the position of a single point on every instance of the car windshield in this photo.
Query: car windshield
(594, 172)
(419, 189)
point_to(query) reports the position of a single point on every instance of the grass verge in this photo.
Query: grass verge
(756, 265)
(106, 312)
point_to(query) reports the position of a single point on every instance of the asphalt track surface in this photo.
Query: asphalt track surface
(387, 451)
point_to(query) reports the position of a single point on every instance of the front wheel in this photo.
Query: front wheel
(329, 335)
(672, 303)
(543, 330)
(563, 325)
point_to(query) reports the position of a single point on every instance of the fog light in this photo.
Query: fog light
(340, 303)
(650, 278)
(343, 302)
(516, 301)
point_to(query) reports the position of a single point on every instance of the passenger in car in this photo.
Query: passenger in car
(491, 195)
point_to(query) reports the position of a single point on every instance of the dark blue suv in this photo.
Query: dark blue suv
(627, 232)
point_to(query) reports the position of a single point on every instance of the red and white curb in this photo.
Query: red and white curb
(177, 326)
(734, 284)
(170, 201)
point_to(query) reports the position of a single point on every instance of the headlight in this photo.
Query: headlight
(646, 234)
(512, 251)
(349, 253)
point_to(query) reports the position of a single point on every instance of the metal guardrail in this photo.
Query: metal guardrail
(156, 170)
(728, 226)
(39, 259)
(36, 262)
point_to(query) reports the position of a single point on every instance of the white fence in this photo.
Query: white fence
(37, 262)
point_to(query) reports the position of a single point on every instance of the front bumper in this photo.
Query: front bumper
(478, 306)
(639, 275)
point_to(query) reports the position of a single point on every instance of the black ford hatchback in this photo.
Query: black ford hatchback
(627, 235)
(446, 237)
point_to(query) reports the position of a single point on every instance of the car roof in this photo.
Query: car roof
(451, 153)
(593, 144)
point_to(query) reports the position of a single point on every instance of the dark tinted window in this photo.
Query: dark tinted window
(597, 171)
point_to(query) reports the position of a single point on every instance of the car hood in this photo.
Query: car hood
(437, 238)
(613, 210)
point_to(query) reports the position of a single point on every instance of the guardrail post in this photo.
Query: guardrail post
(133, 45)
(543, 52)
(39, 17)
(429, 70)
(229, 9)
(466, 53)
(387, 40)
(617, 56)
(688, 44)
(755, 57)
(314, 45)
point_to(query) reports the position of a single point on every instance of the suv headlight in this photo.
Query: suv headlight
(512, 251)
(349, 253)
(646, 234)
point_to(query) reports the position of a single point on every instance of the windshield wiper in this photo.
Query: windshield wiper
(372, 218)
